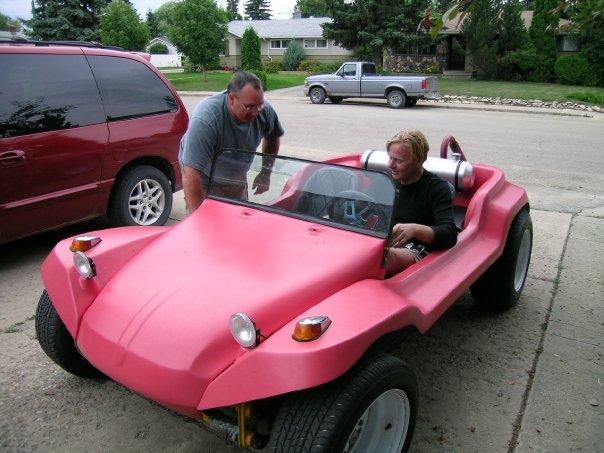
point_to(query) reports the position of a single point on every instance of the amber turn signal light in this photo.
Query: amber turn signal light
(83, 243)
(309, 329)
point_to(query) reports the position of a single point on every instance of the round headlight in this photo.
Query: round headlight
(243, 330)
(83, 265)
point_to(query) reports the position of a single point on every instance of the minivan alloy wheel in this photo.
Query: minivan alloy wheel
(147, 202)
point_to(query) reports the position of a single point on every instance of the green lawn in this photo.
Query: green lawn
(522, 90)
(218, 80)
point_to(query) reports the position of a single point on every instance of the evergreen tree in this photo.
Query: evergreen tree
(480, 30)
(152, 24)
(233, 10)
(513, 34)
(588, 18)
(66, 20)
(257, 9)
(543, 39)
(314, 8)
(370, 26)
(121, 26)
(250, 50)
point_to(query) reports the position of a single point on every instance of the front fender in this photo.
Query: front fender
(72, 294)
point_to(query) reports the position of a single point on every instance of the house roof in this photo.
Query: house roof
(289, 28)
(452, 27)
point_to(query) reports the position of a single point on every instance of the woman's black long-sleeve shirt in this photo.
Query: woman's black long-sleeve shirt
(429, 201)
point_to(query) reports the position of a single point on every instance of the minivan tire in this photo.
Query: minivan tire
(142, 196)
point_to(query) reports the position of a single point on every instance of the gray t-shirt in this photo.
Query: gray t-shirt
(212, 128)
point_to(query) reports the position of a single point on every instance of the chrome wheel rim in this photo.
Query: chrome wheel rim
(316, 95)
(383, 426)
(395, 99)
(146, 202)
(522, 262)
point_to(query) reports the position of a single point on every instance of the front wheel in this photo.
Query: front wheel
(502, 283)
(141, 196)
(317, 95)
(372, 408)
(58, 344)
(396, 99)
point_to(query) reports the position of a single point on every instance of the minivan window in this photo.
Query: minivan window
(40, 93)
(130, 89)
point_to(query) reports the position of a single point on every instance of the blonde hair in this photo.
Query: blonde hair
(415, 140)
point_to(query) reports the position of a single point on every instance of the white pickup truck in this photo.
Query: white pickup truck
(359, 79)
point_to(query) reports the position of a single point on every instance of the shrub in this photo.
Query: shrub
(262, 76)
(250, 50)
(273, 67)
(309, 66)
(188, 66)
(328, 68)
(292, 57)
(518, 65)
(159, 49)
(432, 68)
(571, 69)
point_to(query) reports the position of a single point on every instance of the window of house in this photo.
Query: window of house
(315, 44)
(566, 43)
(280, 43)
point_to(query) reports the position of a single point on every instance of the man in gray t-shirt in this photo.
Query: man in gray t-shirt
(238, 118)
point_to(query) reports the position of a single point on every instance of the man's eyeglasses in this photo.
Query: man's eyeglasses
(251, 107)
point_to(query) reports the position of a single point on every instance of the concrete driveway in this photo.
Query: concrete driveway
(529, 379)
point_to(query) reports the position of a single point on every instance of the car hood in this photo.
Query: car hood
(161, 325)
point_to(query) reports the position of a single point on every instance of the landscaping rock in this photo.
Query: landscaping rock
(517, 102)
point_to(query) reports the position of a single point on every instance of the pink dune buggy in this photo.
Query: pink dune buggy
(268, 317)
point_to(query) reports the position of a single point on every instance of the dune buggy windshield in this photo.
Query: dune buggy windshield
(344, 197)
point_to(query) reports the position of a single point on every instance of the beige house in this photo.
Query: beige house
(276, 36)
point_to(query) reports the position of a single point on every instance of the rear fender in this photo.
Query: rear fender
(360, 314)
(72, 294)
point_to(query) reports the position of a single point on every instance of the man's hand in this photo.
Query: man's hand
(402, 233)
(262, 182)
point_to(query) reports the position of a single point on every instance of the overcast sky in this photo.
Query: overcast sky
(280, 9)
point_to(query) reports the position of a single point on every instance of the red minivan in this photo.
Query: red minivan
(84, 131)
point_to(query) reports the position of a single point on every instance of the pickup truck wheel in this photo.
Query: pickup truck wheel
(336, 99)
(410, 102)
(141, 196)
(317, 95)
(502, 283)
(396, 99)
(372, 408)
(58, 344)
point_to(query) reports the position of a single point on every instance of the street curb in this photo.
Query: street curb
(447, 105)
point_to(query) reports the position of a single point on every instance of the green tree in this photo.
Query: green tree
(121, 26)
(152, 25)
(314, 8)
(481, 29)
(165, 17)
(543, 39)
(66, 20)
(292, 57)
(233, 10)
(7, 23)
(373, 25)
(589, 25)
(513, 34)
(257, 9)
(199, 31)
(250, 50)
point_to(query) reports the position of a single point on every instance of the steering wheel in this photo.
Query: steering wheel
(355, 208)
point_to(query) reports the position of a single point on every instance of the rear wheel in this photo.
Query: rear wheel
(317, 95)
(372, 408)
(336, 99)
(58, 344)
(141, 196)
(502, 283)
(396, 99)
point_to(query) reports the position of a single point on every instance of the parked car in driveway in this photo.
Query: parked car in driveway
(85, 130)
(268, 317)
(359, 79)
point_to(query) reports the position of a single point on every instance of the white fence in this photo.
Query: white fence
(166, 61)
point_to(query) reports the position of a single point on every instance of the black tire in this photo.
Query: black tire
(323, 419)
(396, 99)
(410, 102)
(122, 213)
(58, 344)
(336, 99)
(500, 286)
(317, 95)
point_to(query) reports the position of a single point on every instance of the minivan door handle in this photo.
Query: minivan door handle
(12, 158)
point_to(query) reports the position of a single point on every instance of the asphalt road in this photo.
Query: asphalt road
(527, 380)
